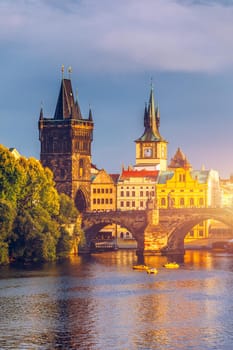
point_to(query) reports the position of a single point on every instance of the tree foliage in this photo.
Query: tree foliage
(32, 213)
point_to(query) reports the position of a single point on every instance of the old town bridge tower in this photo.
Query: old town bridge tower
(66, 146)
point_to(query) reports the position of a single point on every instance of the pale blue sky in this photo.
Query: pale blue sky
(114, 48)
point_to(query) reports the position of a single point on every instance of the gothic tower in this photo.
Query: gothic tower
(151, 147)
(66, 146)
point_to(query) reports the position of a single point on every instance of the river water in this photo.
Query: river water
(101, 303)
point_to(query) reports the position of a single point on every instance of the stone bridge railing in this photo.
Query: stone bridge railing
(156, 231)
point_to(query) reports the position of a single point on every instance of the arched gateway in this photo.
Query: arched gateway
(166, 236)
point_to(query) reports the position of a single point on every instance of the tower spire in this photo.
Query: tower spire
(62, 71)
(90, 114)
(69, 71)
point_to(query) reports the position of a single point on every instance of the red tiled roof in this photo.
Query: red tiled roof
(139, 173)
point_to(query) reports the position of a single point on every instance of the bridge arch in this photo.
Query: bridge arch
(134, 221)
(176, 235)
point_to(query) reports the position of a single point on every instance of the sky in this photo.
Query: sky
(115, 49)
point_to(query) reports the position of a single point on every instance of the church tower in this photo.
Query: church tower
(66, 146)
(151, 147)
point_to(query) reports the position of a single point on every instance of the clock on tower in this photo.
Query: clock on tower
(148, 152)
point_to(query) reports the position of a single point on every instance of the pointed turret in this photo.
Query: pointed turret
(65, 103)
(90, 115)
(151, 121)
(146, 123)
(157, 113)
(179, 161)
(151, 147)
(41, 113)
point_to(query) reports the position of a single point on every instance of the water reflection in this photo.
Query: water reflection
(100, 302)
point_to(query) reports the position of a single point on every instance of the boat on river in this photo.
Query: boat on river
(172, 265)
(140, 267)
(152, 270)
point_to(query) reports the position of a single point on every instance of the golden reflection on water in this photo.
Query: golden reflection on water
(100, 302)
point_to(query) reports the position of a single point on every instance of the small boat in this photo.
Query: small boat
(152, 270)
(172, 265)
(140, 267)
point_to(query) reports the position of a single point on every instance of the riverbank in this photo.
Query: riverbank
(205, 243)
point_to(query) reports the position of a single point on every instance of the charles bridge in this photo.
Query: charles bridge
(157, 231)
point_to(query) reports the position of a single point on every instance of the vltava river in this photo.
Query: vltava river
(101, 303)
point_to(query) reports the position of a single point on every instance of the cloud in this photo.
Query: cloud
(123, 35)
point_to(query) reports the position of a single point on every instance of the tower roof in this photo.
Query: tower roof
(179, 160)
(151, 121)
(66, 106)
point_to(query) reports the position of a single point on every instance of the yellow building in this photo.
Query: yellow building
(103, 198)
(182, 187)
(103, 191)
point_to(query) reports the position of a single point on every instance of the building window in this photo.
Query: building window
(94, 190)
(110, 200)
(201, 233)
(127, 204)
(181, 201)
(98, 190)
(98, 201)
(122, 193)
(201, 201)
(94, 201)
(141, 204)
(102, 190)
(191, 233)
(122, 204)
(127, 193)
(110, 190)
(147, 193)
(133, 193)
(81, 167)
(182, 178)
(141, 193)
(163, 201)
(106, 190)
(133, 204)
(191, 202)
(102, 200)
(106, 200)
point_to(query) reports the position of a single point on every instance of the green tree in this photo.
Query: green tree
(36, 223)
(10, 176)
(64, 244)
(68, 212)
(7, 216)
(35, 231)
(38, 187)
